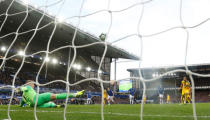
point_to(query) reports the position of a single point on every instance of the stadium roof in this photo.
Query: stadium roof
(168, 68)
(63, 34)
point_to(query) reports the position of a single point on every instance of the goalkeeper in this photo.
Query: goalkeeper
(44, 99)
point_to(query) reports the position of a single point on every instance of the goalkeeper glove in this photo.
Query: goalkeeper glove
(80, 93)
(17, 90)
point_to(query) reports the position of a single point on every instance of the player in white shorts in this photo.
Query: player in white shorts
(110, 95)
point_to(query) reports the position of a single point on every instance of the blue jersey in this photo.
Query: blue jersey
(131, 91)
(161, 90)
(89, 95)
(109, 92)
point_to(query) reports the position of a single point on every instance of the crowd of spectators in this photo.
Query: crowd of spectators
(15, 101)
(7, 75)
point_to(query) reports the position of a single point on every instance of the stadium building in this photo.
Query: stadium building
(172, 82)
(19, 27)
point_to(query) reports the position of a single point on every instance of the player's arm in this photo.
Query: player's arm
(22, 102)
(190, 89)
(23, 89)
(181, 86)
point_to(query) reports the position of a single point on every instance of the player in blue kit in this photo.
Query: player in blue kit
(131, 95)
(89, 96)
(110, 95)
(161, 94)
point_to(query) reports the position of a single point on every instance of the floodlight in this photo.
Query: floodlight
(88, 69)
(75, 66)
(79, 67)
(3, 48)
(40, 58)
(47, 59)
(99, 71)
(21, 53)
(60, 19)
(54, 61)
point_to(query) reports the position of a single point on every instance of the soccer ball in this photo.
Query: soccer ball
(102, 36)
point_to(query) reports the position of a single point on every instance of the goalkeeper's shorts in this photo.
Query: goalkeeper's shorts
(42, 98)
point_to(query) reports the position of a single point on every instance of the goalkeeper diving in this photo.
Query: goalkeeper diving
(44, 99)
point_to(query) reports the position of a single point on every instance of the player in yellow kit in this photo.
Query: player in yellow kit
(145, 99)
(105, 96)
(168, 99)
(183, 84)
(187, 92)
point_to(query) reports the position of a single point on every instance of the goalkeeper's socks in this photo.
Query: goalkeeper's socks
(58, 106)
(63, 96)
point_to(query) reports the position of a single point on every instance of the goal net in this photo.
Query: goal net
(68, 46)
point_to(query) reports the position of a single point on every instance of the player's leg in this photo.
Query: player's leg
(87, 101)
(64, 95)
(112, 99)
(43, 98)
(145, 100)
(185, 98)
(160, 98)
(104, 101)
(182, 96)
(188, 98)
(48, 105)
(132, 99)
(47, 97)
(108, 100)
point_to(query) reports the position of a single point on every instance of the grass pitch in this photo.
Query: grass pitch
(112, 112)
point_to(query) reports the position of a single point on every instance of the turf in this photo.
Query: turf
(112, 112)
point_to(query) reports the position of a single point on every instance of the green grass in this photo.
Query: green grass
(113, 112)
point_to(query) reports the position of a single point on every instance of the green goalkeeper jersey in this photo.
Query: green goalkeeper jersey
(28, 95)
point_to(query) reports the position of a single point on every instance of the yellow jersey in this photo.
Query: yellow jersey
(105, 94)
(183, 84)
(168, 97)
(145, 98)
(187, 87)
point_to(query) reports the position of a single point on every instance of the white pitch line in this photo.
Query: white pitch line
(119, 114)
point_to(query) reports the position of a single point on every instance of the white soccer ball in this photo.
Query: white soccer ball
(102, 36)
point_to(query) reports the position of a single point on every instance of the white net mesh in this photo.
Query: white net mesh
(45, 7)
